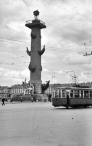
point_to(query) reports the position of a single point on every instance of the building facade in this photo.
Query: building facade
(20, 89)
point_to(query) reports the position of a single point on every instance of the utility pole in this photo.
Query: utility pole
(74, 77)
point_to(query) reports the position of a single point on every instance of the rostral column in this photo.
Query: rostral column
(35, 52)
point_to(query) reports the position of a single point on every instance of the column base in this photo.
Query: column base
(40, 97)
(37, 86)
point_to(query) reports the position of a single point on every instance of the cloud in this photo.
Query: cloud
(75, 59)
(13, 75)
(87, 67)
(76, 35)
(45, 70)
(14, 10)
(60, 71)
(83, 75)
(49, 55)
(25, 73)
(71, 22)
(68, 27)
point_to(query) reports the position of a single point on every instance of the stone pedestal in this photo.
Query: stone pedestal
(40, 97)
(37, 86)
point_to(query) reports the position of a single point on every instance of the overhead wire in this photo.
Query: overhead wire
(14, 41)
(53, 48)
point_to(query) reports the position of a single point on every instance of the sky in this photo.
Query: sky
(67, 37)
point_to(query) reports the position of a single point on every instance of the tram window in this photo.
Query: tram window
(63, 93)
(76, 93)
(86, 94)
(53, 94)
(90, 94)
(56, 94)
(71, 93)
(81, 93)
(59, 93)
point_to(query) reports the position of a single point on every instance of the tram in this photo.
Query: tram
(72, 97)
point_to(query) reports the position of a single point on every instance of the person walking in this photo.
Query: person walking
(3, 101)
(67, 100)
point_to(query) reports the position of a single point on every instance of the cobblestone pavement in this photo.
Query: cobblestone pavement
(40, 124)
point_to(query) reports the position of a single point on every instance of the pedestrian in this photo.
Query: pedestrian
(3, 101)
(67, 100)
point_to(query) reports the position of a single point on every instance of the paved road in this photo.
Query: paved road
(40, 124)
